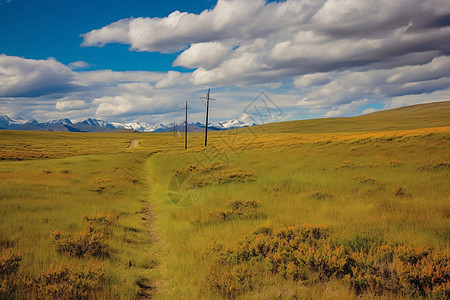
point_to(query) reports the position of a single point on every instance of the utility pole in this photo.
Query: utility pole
(186, 128)
(207, 112)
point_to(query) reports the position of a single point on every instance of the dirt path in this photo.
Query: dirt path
(147, 286)
(133, 144)
(149, 218)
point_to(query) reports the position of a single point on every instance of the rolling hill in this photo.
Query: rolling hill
(427, 115)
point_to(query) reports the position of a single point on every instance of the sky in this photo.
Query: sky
(139, 60)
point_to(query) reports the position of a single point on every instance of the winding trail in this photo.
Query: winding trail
(133, 144)
(147, 286)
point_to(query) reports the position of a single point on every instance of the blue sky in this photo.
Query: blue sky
(42, 29)
(140, 60)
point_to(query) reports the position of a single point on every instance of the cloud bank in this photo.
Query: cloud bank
(256, 42)
(315, 57)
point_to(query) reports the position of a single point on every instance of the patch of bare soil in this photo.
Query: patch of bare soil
(133, 144)
(147, 286)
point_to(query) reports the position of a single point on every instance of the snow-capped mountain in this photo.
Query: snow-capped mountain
(162, 127)
(138, 126)
(58, 122)
(231, 124)
(8, 123)
(95, 125)
(99, 123)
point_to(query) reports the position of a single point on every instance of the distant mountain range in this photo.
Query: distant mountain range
(94, 125)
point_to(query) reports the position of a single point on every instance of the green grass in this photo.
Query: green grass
(40, 196)
(409, 117)
(349, 186)
(374, 180)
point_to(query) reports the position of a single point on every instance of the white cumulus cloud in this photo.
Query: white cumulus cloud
(30, 77)
(65, 105)
(327, 57)
(293, 37)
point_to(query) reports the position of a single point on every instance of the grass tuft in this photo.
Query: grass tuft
(238, 209)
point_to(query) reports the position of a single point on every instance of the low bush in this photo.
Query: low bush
(66, 282)
(230, 283)
(9, 262)
(320, 195)
(400, 191)
(239, 209)
(9, 265)
(101, 219)
(214, 173)
(91, 241)
(88, 242)
(307, 252)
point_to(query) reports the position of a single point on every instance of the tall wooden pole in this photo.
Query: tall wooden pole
(207, 98)
(206, 124)
(186, 128)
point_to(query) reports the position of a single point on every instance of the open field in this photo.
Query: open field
(333, 208)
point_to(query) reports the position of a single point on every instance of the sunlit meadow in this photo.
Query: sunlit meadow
(333, 208)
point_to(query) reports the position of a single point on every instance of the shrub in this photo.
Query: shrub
(99, 185)
(308, 252)
(396, 163)
(67, 282)
(88, 242)
(441, 166)
(133, 179)
(320, 195)
(345, 165)
(400, 191)
(97, 189)
(239, 209)
(215, 172)
(101, 219)
(422, 272)
(9, 263)
(91, 241)
(364, 179)
(231, 283)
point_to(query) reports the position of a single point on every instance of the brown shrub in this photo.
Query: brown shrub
(400, 191)
(345, 165)
(320, 195)
(215, 172)
(67, 282)
(365, 179)
(91, 241)
(9, 265)
(97, 189)
(88, 242)
(133, 179)
(9, 262)
(308, 252)
(239, 209)
(231, 283)
(396, 163)
(101, 219)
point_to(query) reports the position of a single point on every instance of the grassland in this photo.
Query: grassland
(277, 212)
(402, 118)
